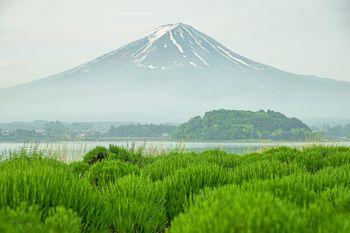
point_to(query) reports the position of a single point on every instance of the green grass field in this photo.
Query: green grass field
(118, 190)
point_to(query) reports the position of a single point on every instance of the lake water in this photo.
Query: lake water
(76, 150)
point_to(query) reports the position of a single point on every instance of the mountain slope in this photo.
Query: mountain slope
(170, 74)
(169, 47)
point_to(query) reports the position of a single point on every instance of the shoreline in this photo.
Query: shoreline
(131, 140)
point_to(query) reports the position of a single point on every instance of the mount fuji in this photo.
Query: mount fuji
(170, 74)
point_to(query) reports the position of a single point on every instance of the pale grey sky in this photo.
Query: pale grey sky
(39, 37)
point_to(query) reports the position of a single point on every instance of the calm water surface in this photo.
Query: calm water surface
(75, 150)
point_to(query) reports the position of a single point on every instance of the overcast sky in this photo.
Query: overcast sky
(39, 37)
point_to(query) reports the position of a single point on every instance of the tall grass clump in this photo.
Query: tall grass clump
(316, 158)
(303, 188)
(138, 205)
(22, 219)
(79, 168)
(167, 164)
(229, 209)
(185, 183)
(322, 217)
(48, 184)
(293, 188)
(29, 219)
(96, 155)
(262, 169)
(113, 152)
(311, 159)
(221, 158)
(106, 172)
(130, 155)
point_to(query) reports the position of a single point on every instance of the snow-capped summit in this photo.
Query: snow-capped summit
(167, 47)
(182, 45)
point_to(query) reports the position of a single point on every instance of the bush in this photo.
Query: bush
(168, 164)
(342, 201)
(105, 172)
(221, 158)
(27, 219)
(328, 178)
(280, 154)
(138, 205)
(49, 184)
(263, 169)
(119, 152)
(114, 152)
(230, 210)
(96, 155)
(293, 189)
(321, 217)
(304, 188)
(185, 183)
(79, 168)
(316, 158)
(131, 155)
(23, 219)
(61, 220)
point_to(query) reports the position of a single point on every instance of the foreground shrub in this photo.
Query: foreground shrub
(281, 154)
(187, 182)
(328, 178)
(168, 164)
(26, 219)
(48, 184)
(321, 217)
(23, 219)
(230, 210)
(317, 157)
(105, 172)
(96, 155)
(221, 158)
(138, 205)
(342, 200)
(126, 155)
(263, 170)
(303, 188)
(114, 152)
(79, 168)
(293, 189)
(61, 220)
(311, 159)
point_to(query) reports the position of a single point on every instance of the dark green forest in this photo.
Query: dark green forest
(241, 125)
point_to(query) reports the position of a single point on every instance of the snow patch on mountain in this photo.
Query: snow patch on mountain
(175, 43)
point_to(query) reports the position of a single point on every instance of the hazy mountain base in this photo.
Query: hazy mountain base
(174, 95)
